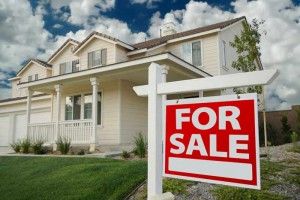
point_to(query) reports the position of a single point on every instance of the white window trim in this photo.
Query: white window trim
(191, 42)
(224, 54)
(81, 94)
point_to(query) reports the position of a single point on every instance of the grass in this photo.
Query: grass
(68, 178)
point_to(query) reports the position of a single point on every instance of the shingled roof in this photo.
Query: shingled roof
(158, 41)
(101, 35)
(62, 46)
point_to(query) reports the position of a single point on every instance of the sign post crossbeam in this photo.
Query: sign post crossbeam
(212, 83)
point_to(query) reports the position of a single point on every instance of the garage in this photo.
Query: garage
(4, 130)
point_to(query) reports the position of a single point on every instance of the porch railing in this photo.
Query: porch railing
(78, 131)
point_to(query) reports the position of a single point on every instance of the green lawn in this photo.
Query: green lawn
(68, 178)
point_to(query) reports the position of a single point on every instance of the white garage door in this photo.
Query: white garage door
(20, 123)
(4, 131)
(20, 127)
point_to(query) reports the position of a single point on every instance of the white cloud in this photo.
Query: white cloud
(149, 3)
(81, 11)
(57, 26)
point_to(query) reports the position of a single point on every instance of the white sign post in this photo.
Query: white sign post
(157, 87)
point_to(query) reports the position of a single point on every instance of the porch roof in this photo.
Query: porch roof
(140, 63)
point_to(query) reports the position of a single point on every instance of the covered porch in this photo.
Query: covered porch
(96, 105)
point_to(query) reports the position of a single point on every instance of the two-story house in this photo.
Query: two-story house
(84, 91)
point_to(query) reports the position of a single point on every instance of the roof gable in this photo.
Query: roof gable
(61, 48)
(104, 37)
(38, 62)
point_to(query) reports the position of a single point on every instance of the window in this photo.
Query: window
(224, 53)
(36, 77)
(192, 53)
(69, 67)
(73, 107)
(30, 78)
(97, 58)
(88, 107)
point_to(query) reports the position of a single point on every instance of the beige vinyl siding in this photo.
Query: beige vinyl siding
(209, 52)
(93, 45)
(121, 54)
(15, 91)
(65, 56)
(133, 113)
(227, 35)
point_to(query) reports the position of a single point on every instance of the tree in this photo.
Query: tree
(285, 129)
(247, 46)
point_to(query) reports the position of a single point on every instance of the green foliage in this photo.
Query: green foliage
(140, 146)
(175, 186)
(285, 129)
(69, 178)
(81, 152)
(273, 137)
(16, 146)
(25, 146)
(247, 46)
(63, 145)
(38, 148)
(125, 154)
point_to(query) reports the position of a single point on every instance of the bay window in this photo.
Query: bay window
(73, 107)
(192, 53)
(97, 58)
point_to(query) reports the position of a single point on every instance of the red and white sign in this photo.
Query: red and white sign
(214, 140)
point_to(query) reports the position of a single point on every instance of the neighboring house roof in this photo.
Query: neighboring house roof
(74, 42)
(158, 41)
(104, 36)
(36, 61)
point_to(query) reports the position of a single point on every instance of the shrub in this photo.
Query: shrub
(175, 186)
(81, 152)
(25, 146)
(140, 146)
(63, 145)
(125, 154)
(16, 146)
(294, 138)
(38, 148)
(285, 129)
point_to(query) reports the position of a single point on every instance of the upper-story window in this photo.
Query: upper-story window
(69, 67)
(97, 58)
(30, 78)
(192, 53)
(36, 77)
(223, 53)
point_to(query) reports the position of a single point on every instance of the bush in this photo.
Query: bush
(81, 152)
(38, 148)
(285, 129)
(16, 146)
(63, 145)
(294, 138)
(140, 146)
(25, 146)
(175, 186)
(125, 154)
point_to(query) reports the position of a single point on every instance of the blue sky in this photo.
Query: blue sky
(35, 29)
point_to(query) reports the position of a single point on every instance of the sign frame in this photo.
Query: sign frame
(223, 98)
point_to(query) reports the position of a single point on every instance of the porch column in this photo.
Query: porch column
(94, 83)
(28, 110)
(58, 90)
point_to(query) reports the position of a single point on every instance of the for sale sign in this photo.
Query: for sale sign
(213, 139)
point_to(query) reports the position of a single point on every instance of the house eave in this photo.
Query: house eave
(116, 66)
